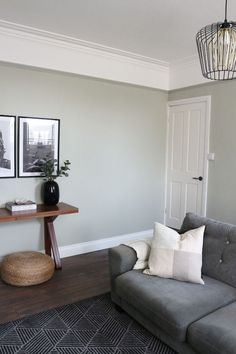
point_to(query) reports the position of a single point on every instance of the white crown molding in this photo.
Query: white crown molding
(186, 72)
(47, 50)
(33, 47)
(97, 245)
(22, 30)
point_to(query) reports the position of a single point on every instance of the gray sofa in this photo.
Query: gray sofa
(190, 318)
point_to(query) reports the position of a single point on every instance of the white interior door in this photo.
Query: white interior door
(188, 140)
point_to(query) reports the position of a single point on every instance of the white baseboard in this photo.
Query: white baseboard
(96, 245)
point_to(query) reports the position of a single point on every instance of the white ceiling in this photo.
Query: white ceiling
(160, 29)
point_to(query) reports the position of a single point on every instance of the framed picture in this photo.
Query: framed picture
(7, 146)
(38, 141)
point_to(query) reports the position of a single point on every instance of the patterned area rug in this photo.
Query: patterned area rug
(91, 326)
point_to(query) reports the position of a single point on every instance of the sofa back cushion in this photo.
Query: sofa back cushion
(219, 247)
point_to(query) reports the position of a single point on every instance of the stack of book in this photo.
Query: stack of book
(21, 205)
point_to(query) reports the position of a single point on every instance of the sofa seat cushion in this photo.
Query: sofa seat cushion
(170, 304)
(215, 333)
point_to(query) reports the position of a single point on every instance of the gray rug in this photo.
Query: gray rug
(90, 326)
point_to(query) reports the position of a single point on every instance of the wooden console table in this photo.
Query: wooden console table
(49, 214)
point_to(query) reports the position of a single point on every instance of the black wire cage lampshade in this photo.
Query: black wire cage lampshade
(216, 45)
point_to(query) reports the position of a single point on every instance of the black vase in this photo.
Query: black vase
(51, 193)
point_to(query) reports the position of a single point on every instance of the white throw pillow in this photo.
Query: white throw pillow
(176, 256)
(142, 249)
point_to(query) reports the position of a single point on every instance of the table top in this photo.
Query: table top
(42, 211)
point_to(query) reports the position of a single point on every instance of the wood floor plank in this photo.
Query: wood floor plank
(81, 277)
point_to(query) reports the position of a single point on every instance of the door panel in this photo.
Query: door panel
(194, 122)
(175, 197)
(191, 198)
(177, 142)
(186, 160)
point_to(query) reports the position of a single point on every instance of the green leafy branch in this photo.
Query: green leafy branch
(64, 168)
(48, 169)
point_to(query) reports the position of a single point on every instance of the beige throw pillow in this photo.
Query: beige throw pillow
(176, 256)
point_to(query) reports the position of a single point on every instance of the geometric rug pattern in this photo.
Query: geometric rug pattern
(91, 326)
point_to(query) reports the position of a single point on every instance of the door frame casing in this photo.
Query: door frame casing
(207, 101)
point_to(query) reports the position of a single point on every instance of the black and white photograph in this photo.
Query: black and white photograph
(7, 146)
(38, 142)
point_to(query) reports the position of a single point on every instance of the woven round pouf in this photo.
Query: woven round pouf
(27, 268)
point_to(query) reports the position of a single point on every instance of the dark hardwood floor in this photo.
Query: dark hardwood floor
(81, 277)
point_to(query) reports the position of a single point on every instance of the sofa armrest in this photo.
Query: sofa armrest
(121, 259)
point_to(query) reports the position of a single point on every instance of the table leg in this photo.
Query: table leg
(51, 241)
(47, 241)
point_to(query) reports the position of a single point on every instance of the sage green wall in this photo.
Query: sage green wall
(221, 202)
(114, 135)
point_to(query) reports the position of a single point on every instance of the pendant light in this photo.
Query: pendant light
(216, 45)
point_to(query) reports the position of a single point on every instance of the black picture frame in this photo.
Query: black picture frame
(7, 146)
(38, 141)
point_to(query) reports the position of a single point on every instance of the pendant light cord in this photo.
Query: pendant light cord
(226, 10)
